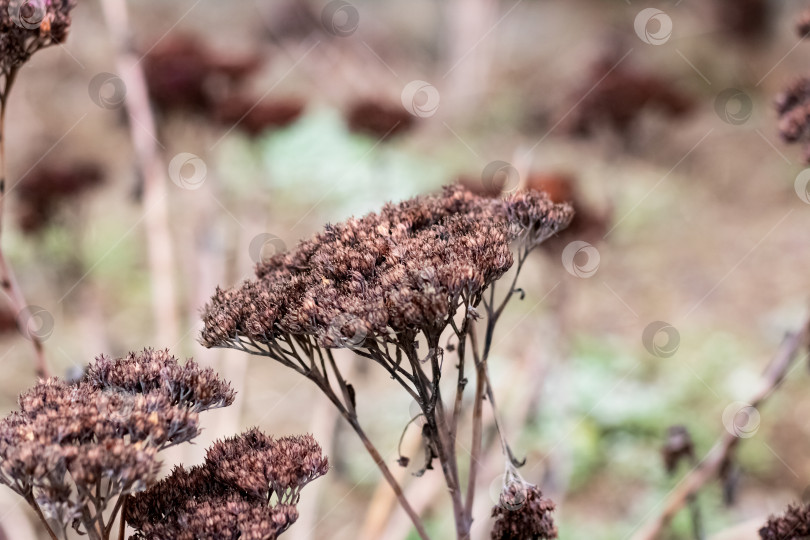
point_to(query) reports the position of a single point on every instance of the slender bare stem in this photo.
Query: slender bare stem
(41, 517)
(7, 280)
(153, 170)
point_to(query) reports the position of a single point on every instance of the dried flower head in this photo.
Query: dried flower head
(255, 118)
(247, 488)
(793, 108)
(404, 269)
(378, 119)
(44, 191)
(68, 438)
(588, 223)
(614, 96)
(27, 26)
(745, 20)
(794, 524)
(523, 513)
(183, 75)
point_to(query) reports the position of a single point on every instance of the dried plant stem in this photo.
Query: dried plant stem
(41, 517)
(710, 466)
(351, 418)
(7, 280)
(122, 526)
(151, 166)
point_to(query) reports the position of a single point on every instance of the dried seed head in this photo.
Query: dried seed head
(794, 524)
(29, 25)
(246, 488)
(107, 427)
(523, 513)
(402, 269)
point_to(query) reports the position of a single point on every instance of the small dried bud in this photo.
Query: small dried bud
(678, 447)
(523, 513)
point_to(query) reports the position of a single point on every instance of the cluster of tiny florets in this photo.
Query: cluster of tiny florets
(247, 488)
(523, 513)
(402, 269)
(29, 25)
(67, 438)
(794, 524)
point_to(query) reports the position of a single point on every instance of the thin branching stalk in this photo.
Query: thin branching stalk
(7, 280)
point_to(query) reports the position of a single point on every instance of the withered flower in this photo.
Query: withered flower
(183, 75)
(247, 488)
(522, 513)
(378, 119)
(589, 224)
(45, 190)
(793, 108)
(745, 20)
(255, 118)
(794, 524)
(401, 270)
(614, 96)
(380, 285)
(71, 448)
(27, 26)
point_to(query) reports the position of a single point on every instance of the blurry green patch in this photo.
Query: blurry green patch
(317, 160)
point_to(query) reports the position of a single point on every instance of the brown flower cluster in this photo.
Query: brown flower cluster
(403, 269)
(255, 118)
(745, 20)
(794, 524)
(184, 76)
(523, 514)
(793, 108)
(29, 25)
(247, 488)
(44, 191)
(614, 96)
(378, 119)
(66, 440)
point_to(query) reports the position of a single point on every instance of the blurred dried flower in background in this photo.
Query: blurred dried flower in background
(614, 96)
(27, 26)
(588, 223)
(291, 19)
(247, 488)
(183, 75)
(745, 20)
(523, 513)
(47, 189)
(803, 24)
(793, 108)
(794, 524)
(378, 119)
(67, 440)
(255, 118)
(678, 447)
